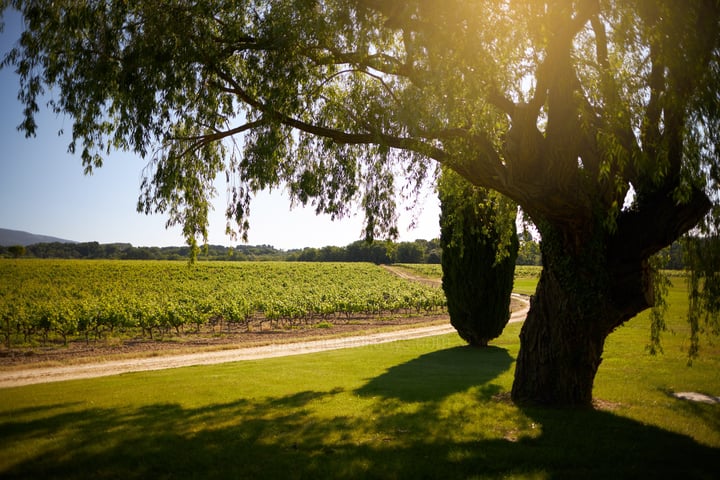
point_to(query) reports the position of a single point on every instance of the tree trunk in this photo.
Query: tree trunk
(560, 350)
(594, 279)
(576, 306)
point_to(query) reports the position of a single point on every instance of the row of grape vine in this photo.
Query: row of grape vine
(42, 300)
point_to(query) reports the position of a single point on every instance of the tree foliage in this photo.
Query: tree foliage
(480, 245)
(325, 95)
(568, 108)
(703, 255)
(16, 251)
(419, 251)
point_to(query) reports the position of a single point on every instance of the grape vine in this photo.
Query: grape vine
(62, 300)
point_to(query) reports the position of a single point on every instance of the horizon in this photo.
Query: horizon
(237, 245)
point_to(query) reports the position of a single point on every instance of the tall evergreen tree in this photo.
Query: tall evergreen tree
(480, 245)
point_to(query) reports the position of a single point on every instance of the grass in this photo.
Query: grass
(526, 279)
(526, 276)
(426, 408)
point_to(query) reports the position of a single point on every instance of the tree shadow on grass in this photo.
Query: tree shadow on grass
(409, 433)
(248, 439)
(436, 375)
(601, 444)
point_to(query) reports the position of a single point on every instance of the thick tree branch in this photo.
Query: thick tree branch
(558, 54)
(644, 232)
(601, 43)
(640, 234)
(336, 135)
(485, 170)
(503, 103)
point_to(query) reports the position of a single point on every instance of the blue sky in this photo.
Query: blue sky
(43, 190)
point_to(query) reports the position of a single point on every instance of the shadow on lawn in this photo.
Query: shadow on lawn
(436, 375)
(285, 437)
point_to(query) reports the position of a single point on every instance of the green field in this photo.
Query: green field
(428, 408)
(45, 301)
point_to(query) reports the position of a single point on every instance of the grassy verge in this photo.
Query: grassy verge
(427, 408)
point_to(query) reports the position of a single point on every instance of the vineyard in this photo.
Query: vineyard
(46, 300)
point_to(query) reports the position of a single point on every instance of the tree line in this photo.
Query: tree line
(419, 251)
(126, 251)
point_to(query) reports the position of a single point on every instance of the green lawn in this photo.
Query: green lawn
(427, 408)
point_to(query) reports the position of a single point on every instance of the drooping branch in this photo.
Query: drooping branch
(199, 141)
(397, 13)
(221, 134)
(480, 142)
(380, 62)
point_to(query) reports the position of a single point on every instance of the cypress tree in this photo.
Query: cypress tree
(479, 248)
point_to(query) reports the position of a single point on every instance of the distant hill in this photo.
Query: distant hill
(17, 237)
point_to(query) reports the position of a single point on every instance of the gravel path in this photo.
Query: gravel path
(56, 374)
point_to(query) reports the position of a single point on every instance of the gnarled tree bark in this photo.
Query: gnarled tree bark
(589, 286)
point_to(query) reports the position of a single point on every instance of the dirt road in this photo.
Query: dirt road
(70, 372)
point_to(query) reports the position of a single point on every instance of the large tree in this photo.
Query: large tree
(479, 245)
(569, 108)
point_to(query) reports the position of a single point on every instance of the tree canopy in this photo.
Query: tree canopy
(600, 118)
(327, 96)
